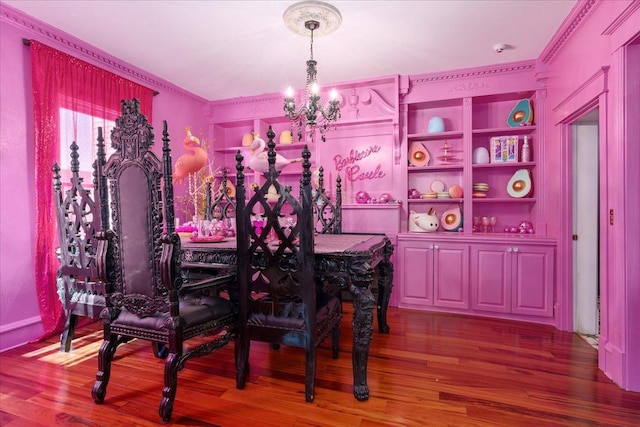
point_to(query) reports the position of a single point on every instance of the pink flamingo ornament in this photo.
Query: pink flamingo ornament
(190, 162)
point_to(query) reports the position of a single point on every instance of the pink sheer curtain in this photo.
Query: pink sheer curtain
(63, 81)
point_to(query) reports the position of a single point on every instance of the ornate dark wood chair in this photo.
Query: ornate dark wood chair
(327, 214)
(138, 259)
(222, 205)
(278, 298)
(78, 218)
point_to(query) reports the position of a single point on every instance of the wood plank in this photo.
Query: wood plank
(433, 369)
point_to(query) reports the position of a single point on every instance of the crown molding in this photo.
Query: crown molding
(580, 11)
(472, 72)
(622, 18)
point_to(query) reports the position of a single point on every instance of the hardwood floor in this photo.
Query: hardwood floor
(431, 370)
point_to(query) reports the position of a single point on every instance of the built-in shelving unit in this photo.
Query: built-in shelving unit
(479, 270)
(470, 124)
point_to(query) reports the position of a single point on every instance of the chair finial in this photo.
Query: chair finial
(168, 180)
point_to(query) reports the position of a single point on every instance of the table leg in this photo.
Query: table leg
(385, 283)
(361, 275)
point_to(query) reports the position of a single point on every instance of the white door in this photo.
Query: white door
(585, 224)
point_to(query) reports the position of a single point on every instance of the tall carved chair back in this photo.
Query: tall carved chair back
(327, 214)
(138, 259)
(221, 205)
(278, 299)
(78, 219)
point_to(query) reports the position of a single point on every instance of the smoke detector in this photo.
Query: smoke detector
(500, 47)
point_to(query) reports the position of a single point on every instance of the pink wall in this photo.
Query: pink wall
(19, 315)
(582, 66)
(585, 67)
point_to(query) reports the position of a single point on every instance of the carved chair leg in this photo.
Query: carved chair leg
(170, 386)
(68, 332)
(242, 348)
(105, 357)
(310, 375)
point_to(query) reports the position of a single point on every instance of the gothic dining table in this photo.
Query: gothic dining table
(348, 261)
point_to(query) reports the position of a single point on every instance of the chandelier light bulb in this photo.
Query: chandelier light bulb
(333, 95)
(289, 93)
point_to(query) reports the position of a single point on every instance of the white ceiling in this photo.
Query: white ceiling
(223, 49)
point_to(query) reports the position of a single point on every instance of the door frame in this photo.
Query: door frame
(575, 125)
(591, 95)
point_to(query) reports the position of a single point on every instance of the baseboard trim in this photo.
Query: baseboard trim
(18, 333)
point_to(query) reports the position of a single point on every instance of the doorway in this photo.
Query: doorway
(586, 230)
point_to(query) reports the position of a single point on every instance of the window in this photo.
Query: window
(86, 136)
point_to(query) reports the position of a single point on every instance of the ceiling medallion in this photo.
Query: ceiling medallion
(326, 15)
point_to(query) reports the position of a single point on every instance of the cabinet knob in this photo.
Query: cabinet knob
(515, 249)
(509, 249)
(436, 247)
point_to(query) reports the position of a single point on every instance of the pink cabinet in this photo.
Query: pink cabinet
(433, 273)
(491, 278)
(512, 278)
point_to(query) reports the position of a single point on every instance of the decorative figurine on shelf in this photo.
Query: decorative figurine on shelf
(385, 198)
(286, 138)
(525, 227)
(480, 156)
(190, 162)
(259, 161)
(247, 138)
(414, 194)
(452, 219)
(418, 155)
(521, 115)
(436, 124)
(519, 184)
(362, 197)
(424, 222)
(272, 195)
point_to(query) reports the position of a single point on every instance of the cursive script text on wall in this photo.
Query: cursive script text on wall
(352, 170)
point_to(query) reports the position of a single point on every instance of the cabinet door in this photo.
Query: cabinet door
(490, 278)
(416, 274)
(451, 275)
(533, 278)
